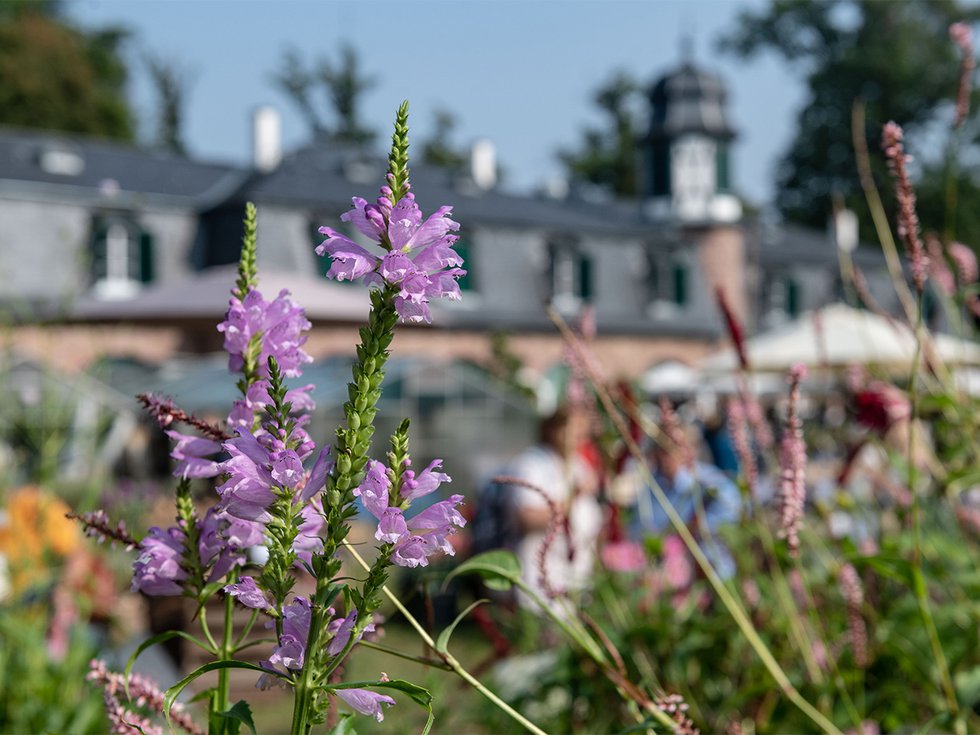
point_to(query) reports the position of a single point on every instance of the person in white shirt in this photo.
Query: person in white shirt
(554, 467)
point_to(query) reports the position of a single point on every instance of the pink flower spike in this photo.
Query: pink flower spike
(792, 464)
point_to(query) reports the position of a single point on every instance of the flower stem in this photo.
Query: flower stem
(728, 600)
(918, 578)
(450, 660)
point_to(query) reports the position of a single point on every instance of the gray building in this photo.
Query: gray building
(89, 230)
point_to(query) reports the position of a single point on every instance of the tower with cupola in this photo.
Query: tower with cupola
(686, 166)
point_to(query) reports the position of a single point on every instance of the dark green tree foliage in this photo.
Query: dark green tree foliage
(608, 156)
(438, 150)
(56, 77)
(895, 56)
(170, 83)
(342, 86)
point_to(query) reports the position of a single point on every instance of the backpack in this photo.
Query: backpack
(493, 525)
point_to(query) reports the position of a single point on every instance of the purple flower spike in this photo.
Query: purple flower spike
(373, 491)
(309, 541)
(318, 475)
(366, 702)
(344, 626)
(248, 593)
(157, 569)
(350, 260)
(280, 323)
(428, 481)
(295, 631)
(191, 454)
(391, 526)
(420, 259)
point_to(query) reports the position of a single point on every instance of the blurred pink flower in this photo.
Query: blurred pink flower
(623, 556)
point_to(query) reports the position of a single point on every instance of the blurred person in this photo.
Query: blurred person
(703, 496)
(556, 468)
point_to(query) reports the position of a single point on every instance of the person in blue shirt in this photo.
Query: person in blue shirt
(703, 496)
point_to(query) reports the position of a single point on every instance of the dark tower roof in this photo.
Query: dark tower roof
(689, 100)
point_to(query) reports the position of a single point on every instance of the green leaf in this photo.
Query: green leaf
(442, 643)
(159, 638)
(173, 692)
(421, 695)
(344, 726)
(499, 569)
(241, 713)
(646, 726)
(888, 565)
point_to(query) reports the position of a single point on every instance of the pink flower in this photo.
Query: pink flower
(792, 465)
(908, 219)
(623, 556)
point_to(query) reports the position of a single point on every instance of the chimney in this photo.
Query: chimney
(266, 138)
(483, 163)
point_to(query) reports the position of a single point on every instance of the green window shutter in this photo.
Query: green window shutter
(680, 284)
(585, 289)
(464, 251)
(100, 230)
(792, 297)
(723, 183)
(146, 269)
(660, 169)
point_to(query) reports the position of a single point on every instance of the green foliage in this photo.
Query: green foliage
(438, 151)
(607, 156)
(896, 57)
(170, 83)
(56, 77)
(686, 642)
(342, 85)
(37, 693)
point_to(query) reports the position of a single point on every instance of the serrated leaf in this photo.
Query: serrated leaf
(442, 642)
(498, 568)
(241, 713)
(170, 696)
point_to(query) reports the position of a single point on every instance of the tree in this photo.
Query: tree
(343, 87)
(438, 150)
(56, 77)
(608, 156)
(171, 86)
(895, 56)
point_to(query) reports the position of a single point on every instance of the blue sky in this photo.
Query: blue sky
(520, 72)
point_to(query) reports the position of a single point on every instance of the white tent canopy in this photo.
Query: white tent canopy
(837, 336)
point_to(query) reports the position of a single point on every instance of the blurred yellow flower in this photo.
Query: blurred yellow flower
(33, 528)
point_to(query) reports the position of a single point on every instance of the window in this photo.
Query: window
(569, 276)
(782, 298)
(667, 281)
(122, 256)
(660, 169)
(722, 172)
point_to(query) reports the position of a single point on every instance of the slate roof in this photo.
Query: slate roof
(689, 100)
(789, 244)
(321, 178)
(135, 171)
